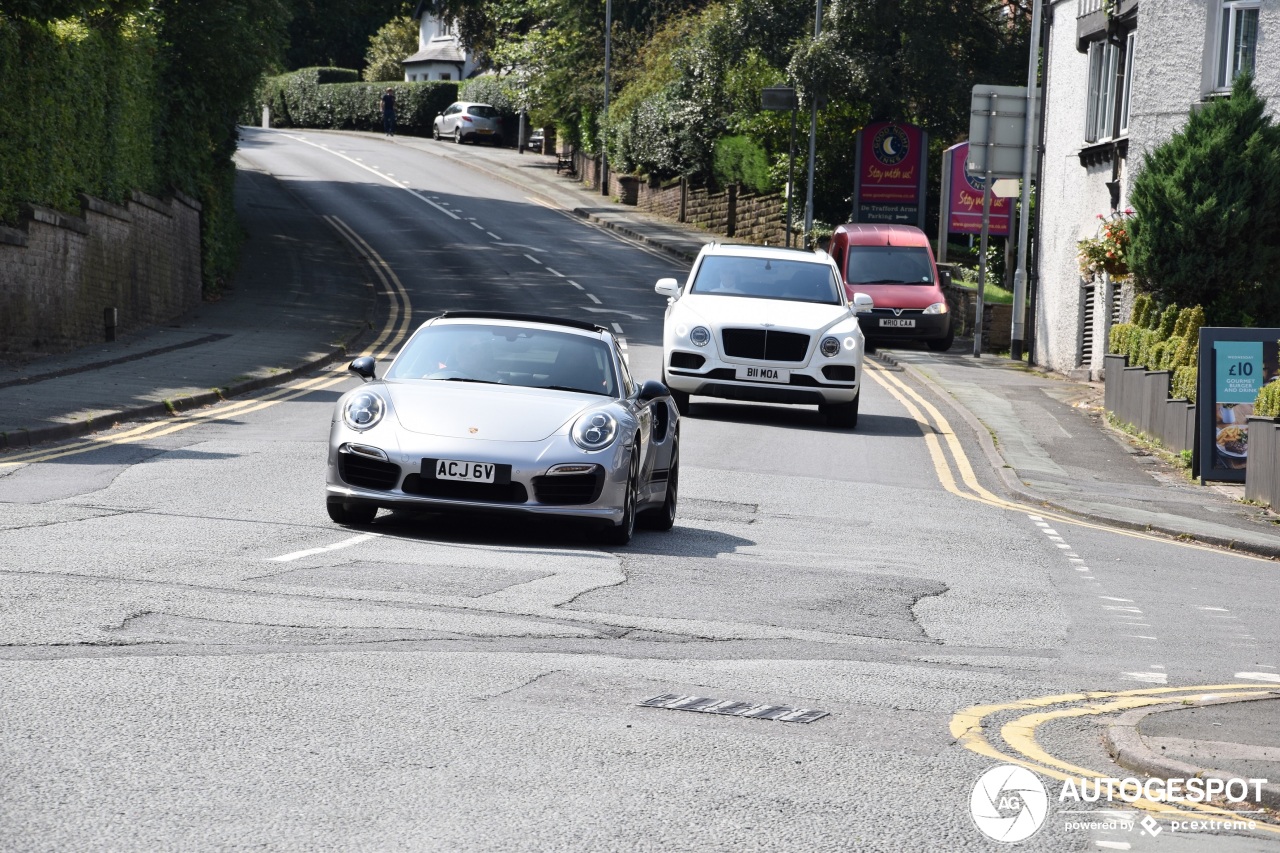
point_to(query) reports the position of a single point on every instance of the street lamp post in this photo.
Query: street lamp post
(813, 138)
(604, 119)
(1024, 213)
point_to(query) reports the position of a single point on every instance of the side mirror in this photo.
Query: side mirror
(652, 389)
(668, 287)
(862, 303)
(363, 367)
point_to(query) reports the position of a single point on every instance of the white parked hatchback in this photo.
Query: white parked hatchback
(468, 122)
(765, 325)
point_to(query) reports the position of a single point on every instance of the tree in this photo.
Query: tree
(336, 32)
(397, 40)
(902, 60)
(1206, 227)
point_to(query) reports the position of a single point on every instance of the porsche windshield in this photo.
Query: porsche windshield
(888, 265)
(508, 355)
(766, 278)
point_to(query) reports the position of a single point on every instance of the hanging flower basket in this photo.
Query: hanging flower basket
(1109, 251)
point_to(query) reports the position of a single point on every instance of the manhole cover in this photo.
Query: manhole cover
(730, 708)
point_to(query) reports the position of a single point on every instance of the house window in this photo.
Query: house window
(1102, 77)
(413, 78)
(1237, 40)
(446, 76)
(1128, 85)
(1110, 77)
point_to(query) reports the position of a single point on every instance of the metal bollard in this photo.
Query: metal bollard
(109, 317)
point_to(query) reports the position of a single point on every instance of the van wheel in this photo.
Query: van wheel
(943, 343)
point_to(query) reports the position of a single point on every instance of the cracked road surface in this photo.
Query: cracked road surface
(195, 658)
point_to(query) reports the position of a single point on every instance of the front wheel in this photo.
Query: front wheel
(435, 132)
(620, 534)
(457, 136)
(943, 343)
(843, 415)
(664, 517)
(351, 514)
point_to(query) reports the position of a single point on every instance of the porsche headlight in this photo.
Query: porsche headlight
(936, 308)
(700, 336)
(830, 347)
(595, 430)
(363, 411)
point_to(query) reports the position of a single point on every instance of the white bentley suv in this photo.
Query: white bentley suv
(766, 325)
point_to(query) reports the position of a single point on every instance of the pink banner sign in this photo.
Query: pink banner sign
(965, 216)
(890, 162)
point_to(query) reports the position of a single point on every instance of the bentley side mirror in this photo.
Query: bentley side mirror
(668, 287)
(862, 303)
(363, 367)
(652, 389)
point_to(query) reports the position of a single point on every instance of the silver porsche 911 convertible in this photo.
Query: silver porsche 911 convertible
(507, 413)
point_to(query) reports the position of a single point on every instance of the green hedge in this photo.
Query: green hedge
(106, 103)
(1162, 340)
(76, 113)
(303, 99)
(1267, 403)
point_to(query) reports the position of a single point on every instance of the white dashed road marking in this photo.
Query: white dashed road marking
(345, 543)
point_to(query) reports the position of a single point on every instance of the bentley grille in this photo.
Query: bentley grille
(764, 345)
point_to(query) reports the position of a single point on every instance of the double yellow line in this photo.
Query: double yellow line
(393, 333)
(970, 726)
(963, 483)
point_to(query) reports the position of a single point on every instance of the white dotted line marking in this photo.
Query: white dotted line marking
(594, 298)
(554, 273)
(575, 284)
(1270, 677)
(535, 260)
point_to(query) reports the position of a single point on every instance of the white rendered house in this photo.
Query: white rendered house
(440, 55)
(1123, 75)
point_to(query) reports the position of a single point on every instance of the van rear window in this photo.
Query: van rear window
(888, 265)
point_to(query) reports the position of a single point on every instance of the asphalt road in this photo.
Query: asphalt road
(195, 658)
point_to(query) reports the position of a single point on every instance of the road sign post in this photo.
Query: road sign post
(784, 98)
(999, 122)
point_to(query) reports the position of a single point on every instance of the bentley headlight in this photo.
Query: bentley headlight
(595, 430)
(363, 411)
(830, 347)
(700, 336)
(936, 308)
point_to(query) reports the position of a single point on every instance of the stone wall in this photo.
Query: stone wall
(59, 273)
(743, 216)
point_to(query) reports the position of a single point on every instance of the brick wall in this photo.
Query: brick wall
(755, 218)
(58, 272)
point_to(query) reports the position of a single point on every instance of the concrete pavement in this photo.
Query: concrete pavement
(300, 301)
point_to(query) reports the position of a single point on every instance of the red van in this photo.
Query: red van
(894, 265)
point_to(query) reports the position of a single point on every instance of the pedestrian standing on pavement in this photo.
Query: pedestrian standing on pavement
(389, 112)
